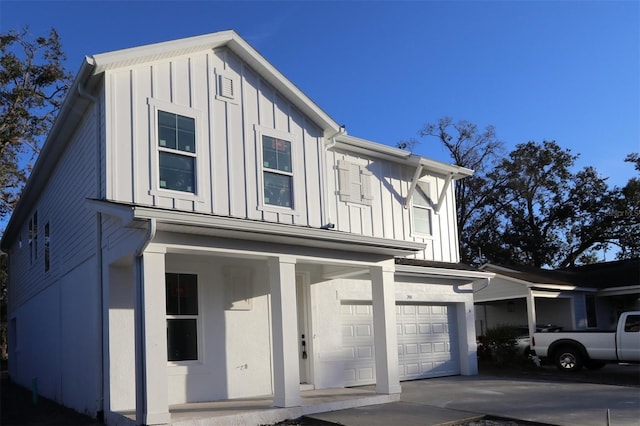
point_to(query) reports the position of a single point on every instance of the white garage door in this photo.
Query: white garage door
(427, 342)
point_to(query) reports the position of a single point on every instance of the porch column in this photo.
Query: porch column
(284, 319)
(384, 328)
(152, 399)
(531, 312)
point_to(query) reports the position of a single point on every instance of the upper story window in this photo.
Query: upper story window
(277, 171)
(33, 237)
(355, 183)
(177, 152)
(47, 247)
(182, 316)
(421, 210)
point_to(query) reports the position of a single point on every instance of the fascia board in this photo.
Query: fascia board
(374, 149)
(444, 169)
(620, 291)
(253, 229)
(409, 270)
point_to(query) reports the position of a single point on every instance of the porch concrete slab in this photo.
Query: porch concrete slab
(439, 401)
(260, 411)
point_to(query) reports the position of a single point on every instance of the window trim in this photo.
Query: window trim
(197, 317)
(296, 174)
(154, 106)
(426, 189)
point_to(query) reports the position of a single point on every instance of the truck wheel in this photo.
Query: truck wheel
(568, 358)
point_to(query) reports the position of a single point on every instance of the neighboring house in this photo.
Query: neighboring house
(581, 297)
(197, 229)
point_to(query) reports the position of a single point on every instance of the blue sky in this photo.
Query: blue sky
(562, 70)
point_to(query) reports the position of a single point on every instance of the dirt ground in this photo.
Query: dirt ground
(17, 408)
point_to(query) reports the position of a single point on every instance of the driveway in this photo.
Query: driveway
(542, 396)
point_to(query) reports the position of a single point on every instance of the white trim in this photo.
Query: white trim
(426, 189)
(296, 173)
(154, 106)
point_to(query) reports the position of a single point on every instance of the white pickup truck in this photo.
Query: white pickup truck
(571, 350)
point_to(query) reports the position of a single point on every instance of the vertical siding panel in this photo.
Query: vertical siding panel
(376, 212)
(218, 145)
(313, 178)
(366, 212)
(236, 147)
(162, 81)
(305, 173)
(386, 197)
(141, 89)
(250, 109)
(121, 167)
(399, 219)
(267, 119)
(181, 82)
(200, 99)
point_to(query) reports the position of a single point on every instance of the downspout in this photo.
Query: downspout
(82, 92)
(325, 186)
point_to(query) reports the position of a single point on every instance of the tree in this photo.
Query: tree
(549, 215)
(477, 150)
(33, 85)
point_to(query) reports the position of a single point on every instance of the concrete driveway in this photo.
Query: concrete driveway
(452, 400)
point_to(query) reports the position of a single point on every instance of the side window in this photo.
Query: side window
(177, 152)
(182, 316)
(33, 237)
(355, 183)
(47, 247)
(590, 302)
(277, 169)
(421, 210)
(632, 324)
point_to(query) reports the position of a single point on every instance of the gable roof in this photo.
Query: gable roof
(91, 72)
(604, 275)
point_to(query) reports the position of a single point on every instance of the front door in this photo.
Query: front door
(304, 339)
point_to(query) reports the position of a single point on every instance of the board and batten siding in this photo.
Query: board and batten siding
(61, 204)
(386, 216)
(228, 145)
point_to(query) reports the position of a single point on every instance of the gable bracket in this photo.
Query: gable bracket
(414, 182)
(443, 193)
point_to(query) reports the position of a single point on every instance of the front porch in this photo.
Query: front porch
(260, 410)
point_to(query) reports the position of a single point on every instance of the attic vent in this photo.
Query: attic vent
(227, 87)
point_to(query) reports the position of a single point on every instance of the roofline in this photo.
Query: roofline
(410, 270)
(50, 153)
(259, 230)
(232, 40)
(398, 155)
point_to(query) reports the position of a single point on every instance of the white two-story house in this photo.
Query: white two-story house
(198, 229)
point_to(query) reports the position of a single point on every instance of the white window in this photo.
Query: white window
(421, 210)
(182, 317)
(33, 237)
(175, 150)
(47, 247)
(355, 183)
(277, 172)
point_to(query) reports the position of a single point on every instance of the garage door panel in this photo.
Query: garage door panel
(427, 342)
